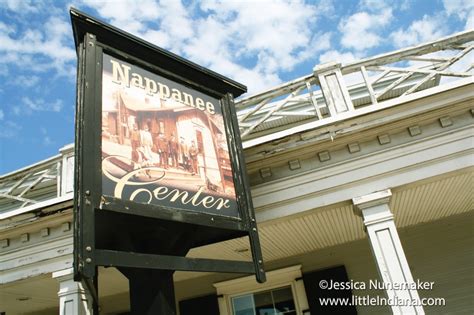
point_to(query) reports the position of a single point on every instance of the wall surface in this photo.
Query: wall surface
(441, 252)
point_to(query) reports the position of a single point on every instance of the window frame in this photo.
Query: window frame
(276, 287)
(280, 278)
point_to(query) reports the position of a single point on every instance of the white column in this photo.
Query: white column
(74, 298)
(387, 249)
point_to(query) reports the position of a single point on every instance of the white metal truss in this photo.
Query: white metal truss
(37, 183)
(333, 89)
(19, 191)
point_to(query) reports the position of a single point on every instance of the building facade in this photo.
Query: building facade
(362, 180)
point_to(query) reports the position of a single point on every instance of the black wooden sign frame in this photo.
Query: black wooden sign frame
(109, 231)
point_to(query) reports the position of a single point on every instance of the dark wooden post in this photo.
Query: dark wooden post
(151, 291)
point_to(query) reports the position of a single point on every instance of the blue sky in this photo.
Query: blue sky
(258, 43)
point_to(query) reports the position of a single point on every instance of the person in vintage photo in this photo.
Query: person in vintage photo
(173, 150)
(162, 150)
(146, 143)
(135, 146)
(193, 153)
(183, 150)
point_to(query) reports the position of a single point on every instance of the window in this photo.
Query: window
(282, 294)
(271, 302)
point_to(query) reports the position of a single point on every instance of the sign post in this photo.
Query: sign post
(159, 165)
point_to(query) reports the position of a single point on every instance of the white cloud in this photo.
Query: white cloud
(209, 44)
(178, 24)
(46, 138)
(326, 8)
(320, 42)
(254, 44)
(257, 29)
(47, 141)
(426, 29)
(38, 49)
(362, 30)
(211, 48)
(129, 15)
(336, 56)
(9, 129)
(7, 29)
(157, 37)
(405, 5)
(470, 21)
(379, 5)
(26, 80)
(38, 105)
(374, 5)
(22, 6)
(248, 42)
(463, 9)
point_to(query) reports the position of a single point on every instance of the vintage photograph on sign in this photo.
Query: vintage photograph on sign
(163, 143)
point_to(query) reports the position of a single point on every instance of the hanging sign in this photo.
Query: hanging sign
(159, 167)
